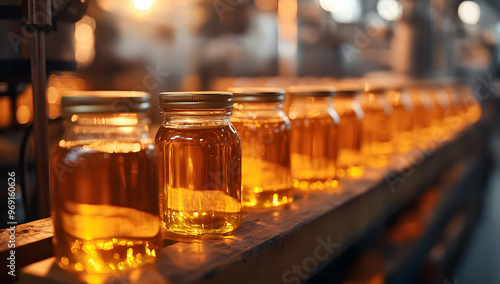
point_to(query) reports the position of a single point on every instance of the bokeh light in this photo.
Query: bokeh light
(469, 12)
(85, 40)
(143, 5)
(343, 11)
(23, 114)
(389, 10)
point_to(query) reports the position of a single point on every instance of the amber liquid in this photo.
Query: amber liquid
(377, 133)
(266, 173)
(453, 118)
(314, 148)
(470, 110)
(106, 209)
(404, 135)
(441, 111)
(424, 116)
(202, 179)
(349, 140)
(402, 117)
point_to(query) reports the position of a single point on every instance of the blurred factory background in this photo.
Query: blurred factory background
(160, 45)
(154, 45)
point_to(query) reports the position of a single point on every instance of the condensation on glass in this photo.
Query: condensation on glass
(201, 163)
(349, 140)
(105, 185)
(314, 142)
(265, 139)
(377, 128)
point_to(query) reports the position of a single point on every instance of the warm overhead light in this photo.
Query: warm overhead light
(143, 5)
(469, 12)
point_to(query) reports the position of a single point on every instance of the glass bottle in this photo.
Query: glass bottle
(349, 141)
(314, 142)
(403, 116)
(377, 128)
(201, 163)
(442, 110)
(265, 138)
(105, 185)
(453, 118)
(423, 105)
(470, 106)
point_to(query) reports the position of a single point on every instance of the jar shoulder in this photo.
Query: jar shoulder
(199, 134)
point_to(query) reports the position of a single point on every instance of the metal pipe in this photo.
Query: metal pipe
(39, 81)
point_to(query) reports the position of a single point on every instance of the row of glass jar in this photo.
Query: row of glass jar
(105, 176)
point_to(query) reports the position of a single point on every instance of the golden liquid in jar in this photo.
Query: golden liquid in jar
(377, 134)
(470, 110)
(314, 147)
(106, 206)
(402, 118)
(404, 135)
(440, 112)
(349, 141)
(453, 118)
(202, 179)
(266, 174)
(422, 124)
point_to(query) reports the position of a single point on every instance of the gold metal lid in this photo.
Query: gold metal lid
(195, 100)
(311, 91)
(257, 95)
(104, 102)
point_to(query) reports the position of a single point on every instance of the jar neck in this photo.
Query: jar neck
(192, 118)
(258, 106)
(344, 103)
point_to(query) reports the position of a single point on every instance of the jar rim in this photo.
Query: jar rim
(311, 91)
(195, 100)
(257, 95)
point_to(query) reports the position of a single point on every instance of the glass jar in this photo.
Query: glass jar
(453, 118)
(377, 128)
(470, 107)
(349, 141)
(314, 142)
(265, 137)
(403, 116)
(201, 163)
(441, 111)
(105, 185)
(423, 105)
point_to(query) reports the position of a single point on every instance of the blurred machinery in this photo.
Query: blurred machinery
(37, 38)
